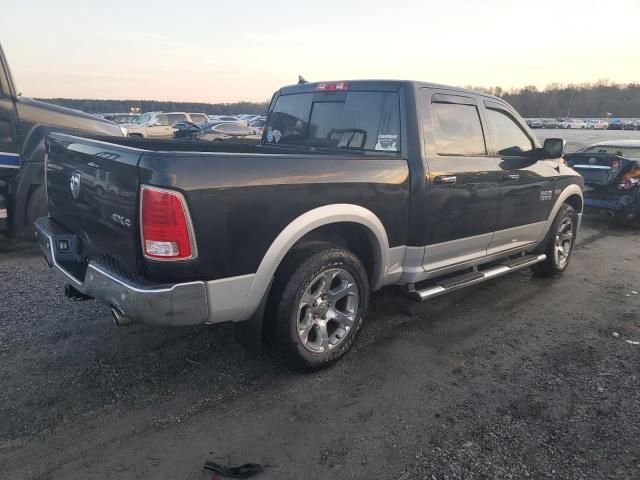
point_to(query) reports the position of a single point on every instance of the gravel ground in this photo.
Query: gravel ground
(514, 378)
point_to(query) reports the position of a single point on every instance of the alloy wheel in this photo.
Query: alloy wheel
(563, 242)
(327, 310)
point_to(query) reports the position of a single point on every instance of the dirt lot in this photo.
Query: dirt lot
(514, 378)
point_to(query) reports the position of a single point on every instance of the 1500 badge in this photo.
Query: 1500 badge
(120, 220)
(546, 195)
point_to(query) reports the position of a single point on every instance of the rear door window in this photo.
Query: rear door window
(198, 118)
(367, 121)
(177, 117)
(457, 129)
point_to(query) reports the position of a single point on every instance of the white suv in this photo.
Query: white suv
(160, 124)
(573, 123)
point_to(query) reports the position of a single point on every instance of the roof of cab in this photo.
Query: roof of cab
(379, 85)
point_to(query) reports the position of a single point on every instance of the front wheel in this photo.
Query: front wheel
(320, 297)
(559, 243)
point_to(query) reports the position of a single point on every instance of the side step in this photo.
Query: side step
(496, 269)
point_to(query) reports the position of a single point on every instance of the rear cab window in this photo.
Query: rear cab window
(367, 121)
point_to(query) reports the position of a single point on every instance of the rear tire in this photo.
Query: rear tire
(559, 244)
(36, 208)
(319, 299)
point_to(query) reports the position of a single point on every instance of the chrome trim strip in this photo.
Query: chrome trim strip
(592, 167)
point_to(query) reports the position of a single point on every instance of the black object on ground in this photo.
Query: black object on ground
(241, 471)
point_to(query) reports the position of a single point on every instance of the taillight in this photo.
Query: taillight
(629, 180)
(332, 87)
(165, 225)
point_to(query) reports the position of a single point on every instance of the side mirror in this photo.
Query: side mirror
(553, 148)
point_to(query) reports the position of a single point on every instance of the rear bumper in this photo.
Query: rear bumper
(138, 302)
(624, 203)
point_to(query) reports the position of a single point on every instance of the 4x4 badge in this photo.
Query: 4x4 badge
(74, 183)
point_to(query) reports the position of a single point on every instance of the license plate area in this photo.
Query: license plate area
(67, 251)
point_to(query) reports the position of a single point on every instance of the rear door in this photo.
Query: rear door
(163, 127)
(463, 183)
(527, 185)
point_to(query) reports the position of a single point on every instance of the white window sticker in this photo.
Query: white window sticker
(277, 135)
(387, 143)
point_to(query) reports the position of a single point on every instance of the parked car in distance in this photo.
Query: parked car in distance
(536, 124)
(257, 126)
(343, 196)
(573, 123)
(226, 132)
(629, 125)
(550, 123)
(186, 130)
(611, 172)
(160, 124)
(597, 124)
(616, 124)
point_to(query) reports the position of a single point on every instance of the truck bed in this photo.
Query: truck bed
(239, 196)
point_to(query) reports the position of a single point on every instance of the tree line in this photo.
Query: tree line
(576, 100)
(124, 106)
(600, 99)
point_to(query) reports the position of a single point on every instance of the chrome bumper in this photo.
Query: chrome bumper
(171, 305)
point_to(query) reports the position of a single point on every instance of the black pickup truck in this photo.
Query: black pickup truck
(24, 125)
(355, 185)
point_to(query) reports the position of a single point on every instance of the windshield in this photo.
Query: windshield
(144, 118)
(368, 121)
(626, 152)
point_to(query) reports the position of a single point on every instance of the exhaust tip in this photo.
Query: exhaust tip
(119, 318)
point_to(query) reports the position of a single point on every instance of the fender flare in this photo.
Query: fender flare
(298, 228)
(564, 194)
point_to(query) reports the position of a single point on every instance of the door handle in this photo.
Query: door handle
(514, 177)
(445, 180)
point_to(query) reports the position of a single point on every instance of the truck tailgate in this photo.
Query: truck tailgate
(92, 189)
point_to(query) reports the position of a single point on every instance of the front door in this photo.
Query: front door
(527, 184)
(161, 128)
(463, 184)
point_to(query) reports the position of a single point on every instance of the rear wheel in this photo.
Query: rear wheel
(36, 208)
(559, 243)
(320, 297)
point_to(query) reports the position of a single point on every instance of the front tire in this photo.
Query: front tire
(320, 297)
(559, 243)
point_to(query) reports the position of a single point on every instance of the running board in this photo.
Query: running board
(497, 269)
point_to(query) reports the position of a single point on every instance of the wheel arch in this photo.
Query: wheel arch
(572, 195)
(320, 219)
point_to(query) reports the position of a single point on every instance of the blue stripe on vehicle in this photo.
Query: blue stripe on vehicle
(9, 160)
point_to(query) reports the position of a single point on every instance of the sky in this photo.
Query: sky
(227, 51)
